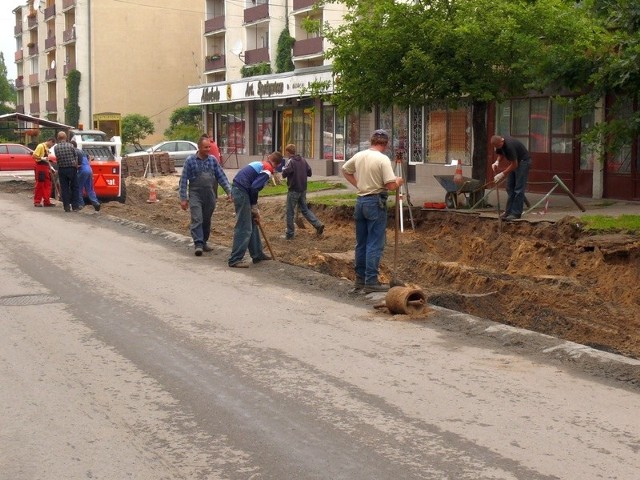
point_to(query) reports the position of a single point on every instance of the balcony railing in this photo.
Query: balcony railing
(49, 12)
(213, 63)
(51, 106)
(69, 35)
(20, 82)
(214, 24)
(68, 68)
(17, 30)
(308, 46)
(33, 50)
(19, 108)
(259, 55)
(300, 4)
(33, 80)
(50, 74)
(68, 4)
(259, 12)
(19, 56)
(34, 107)
(49, 43)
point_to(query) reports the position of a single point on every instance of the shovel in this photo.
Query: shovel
(266, 240)
(394, 279)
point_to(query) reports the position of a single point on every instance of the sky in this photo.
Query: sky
(7, 40)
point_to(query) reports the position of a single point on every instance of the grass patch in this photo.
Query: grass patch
(605, 223)
(271, 190)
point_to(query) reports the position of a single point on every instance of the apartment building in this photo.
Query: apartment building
(133, 57)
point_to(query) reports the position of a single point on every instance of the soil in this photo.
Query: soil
(552, 278)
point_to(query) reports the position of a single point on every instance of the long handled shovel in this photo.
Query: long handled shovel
(266, 240)
(394, 279)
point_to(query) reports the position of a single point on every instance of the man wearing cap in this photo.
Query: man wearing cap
(370, 171)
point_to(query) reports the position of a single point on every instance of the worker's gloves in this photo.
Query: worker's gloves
(499, 177)
(494, 166)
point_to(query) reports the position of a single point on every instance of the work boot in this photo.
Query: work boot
(262, 258)
(320, 230)
(96, 206)
(241, 264)
(198, 251)
(207, 248)
(375, 287)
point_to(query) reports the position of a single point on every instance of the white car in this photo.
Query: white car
(179, 150)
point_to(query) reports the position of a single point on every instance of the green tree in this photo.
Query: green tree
(453, 53)
(7, 90)
(284, 62)
(135, 127)
(185, 121)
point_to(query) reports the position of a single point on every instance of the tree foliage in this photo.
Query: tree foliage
(7, 90)
(183, 120)
(454, 52)
(72, 108)
(284, 62)
(135, 127)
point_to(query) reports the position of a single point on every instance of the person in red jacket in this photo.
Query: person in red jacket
(42, 190)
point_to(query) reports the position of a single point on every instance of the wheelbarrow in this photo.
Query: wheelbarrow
(466, 187)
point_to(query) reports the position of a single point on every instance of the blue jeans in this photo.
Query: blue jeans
(299, 199)
(516, 186)
(371, 225)
(85, 182)
(246, 234)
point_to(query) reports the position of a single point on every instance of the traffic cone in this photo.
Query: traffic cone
(458, 178)
(153, 196)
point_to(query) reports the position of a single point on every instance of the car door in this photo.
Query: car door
(184, 150)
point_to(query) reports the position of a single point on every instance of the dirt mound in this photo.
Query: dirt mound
(552, 278)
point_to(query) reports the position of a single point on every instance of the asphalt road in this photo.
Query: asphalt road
(124, 356)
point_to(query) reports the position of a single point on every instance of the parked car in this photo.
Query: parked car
(14, 156)
(179, 150)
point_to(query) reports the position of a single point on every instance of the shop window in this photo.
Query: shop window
(561, 127)
(448, 135)
(231, 128)
(264, 129)
(297, 128)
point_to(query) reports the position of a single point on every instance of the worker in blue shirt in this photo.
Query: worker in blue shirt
(246, 186)
(198, 175)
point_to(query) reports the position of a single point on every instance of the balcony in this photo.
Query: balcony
(49, 12)
(213, 63)
(49, 43)
(214, 24)
(17, 30)
(66, 4)
(300, 4)
(69, 35)
(50, 74)
(19, 56)
(308, 46)
(51, 106)
(32, 20)
(32, 49)
(259, 12)
(34, 108)
(68, 68)
(259, 55)
(33, 80)
(19, 108)
(20, 82)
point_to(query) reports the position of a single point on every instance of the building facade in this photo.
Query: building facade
(131, 57)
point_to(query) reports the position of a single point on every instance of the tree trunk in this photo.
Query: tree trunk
(480, 139)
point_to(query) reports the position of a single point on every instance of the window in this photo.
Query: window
(448, 135)
(263, 127)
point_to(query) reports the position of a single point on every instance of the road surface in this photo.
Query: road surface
(122, 355)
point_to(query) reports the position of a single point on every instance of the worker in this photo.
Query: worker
(246, 187)
(42, 190)
(196, 192)
(514, 160)
(371, 173)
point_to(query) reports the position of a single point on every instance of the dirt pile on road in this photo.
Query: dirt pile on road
(552, 278)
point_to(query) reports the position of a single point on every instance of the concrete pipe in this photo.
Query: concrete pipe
(406, 300)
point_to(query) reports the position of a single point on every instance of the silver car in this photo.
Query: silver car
(179, 150)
